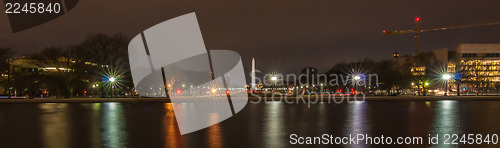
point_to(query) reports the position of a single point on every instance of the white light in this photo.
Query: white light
(446, 76)
(357, 77)
(112, 79)
(274, 78)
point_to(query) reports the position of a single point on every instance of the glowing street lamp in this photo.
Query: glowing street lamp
(357, 78)
(112, 80)
(274, 78)
(446, 77)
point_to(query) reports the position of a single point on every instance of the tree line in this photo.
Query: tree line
(70, 71)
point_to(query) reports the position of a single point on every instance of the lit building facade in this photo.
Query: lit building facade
(478, 66)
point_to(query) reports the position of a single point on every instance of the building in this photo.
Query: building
(478, 66)
(475, 69)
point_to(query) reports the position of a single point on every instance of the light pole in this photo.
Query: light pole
(8, 76)
(356, 79)
(274, 78)
(424, 90)
(446, 77)
(112, 80)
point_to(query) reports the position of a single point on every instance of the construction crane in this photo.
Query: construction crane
(417, 31)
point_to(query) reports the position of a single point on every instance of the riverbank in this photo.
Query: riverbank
(254, 99)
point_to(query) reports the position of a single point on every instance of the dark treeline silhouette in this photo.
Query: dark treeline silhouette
(77, 70)
(6, 55)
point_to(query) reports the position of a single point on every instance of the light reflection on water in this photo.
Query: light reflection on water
(170, 130)
(153, 125)
(54, 124)
(114, 133)
(215, 139)
(357, 120)
(446, 120)
(274, 125)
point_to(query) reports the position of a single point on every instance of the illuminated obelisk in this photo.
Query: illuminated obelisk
(253, 74)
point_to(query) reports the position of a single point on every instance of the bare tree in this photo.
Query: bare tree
(61, 69)
(109, 53)
(6, 65)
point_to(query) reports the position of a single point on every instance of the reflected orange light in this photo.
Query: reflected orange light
(170, 130)
(215, 139)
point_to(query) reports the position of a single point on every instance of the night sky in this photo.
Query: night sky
(284, 34)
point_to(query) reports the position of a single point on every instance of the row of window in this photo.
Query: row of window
(481, 55)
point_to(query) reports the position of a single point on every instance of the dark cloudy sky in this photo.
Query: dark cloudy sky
(290, 34)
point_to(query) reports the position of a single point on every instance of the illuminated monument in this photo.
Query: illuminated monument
(253, 74)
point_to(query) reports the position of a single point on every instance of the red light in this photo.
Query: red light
(417, 19)
(384, 31)
(227, 91)
(84, 92)
(179, 91)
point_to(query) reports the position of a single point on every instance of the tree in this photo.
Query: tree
(62, 70)
(110, 54)
(5, 66)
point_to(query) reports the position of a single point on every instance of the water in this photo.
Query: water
(120, 125)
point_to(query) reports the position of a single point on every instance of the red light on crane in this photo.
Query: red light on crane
(417, 19)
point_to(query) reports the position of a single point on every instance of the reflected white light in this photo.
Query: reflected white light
(447, 104)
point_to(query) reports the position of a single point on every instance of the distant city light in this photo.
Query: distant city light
(274, 78)
(112, 79)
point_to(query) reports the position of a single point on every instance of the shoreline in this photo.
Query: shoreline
(301, 99)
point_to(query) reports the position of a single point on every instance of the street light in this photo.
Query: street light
(273, 78)
(446, 77)
(357, 78)
(112, 80)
